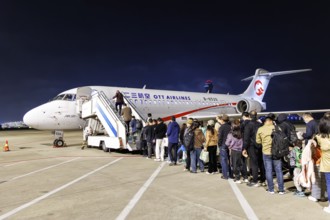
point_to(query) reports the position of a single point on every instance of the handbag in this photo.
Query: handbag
(165, 142)
(204, 156)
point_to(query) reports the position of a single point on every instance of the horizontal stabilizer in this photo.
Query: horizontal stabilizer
(271, 74)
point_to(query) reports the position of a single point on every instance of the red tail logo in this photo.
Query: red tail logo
(258, 87)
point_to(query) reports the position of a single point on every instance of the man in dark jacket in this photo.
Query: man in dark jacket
(253, 149)
(172, 133)
(224, 151)
(143, 143)
(150, 135)
(287, 127)
(119, 100)
(311, 126)
(160, 133)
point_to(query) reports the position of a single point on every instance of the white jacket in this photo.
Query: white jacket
(307, 176)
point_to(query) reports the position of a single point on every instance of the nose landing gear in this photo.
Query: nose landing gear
(59, 142)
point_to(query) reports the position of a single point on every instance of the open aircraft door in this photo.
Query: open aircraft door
(83, 94)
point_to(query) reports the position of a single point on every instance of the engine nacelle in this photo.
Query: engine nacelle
(248, 105)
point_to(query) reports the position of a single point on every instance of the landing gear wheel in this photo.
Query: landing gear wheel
(58, 143)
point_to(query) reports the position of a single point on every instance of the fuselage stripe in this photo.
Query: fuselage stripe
(167, 118)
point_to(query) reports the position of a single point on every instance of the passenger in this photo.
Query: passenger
(323, 139)
(307, 175)
(127, 116)
(182, 153)
(188, 148)
(150, 135)
(245, 119)
(154, 124)
(217, 123)
(199, 140)
(211, 147)
(182, 130)
(139, 124)
(287, 127)
(160, 134)
(224, 151)
(87, 132)
(264, 138)
(119, 101)
(318, 188)
(132, 125)
(234, 142)
(143, 143)
(243, 168)
(253, 149)
(295, 163)
(311, 127)
(202, 127)
(172, 133)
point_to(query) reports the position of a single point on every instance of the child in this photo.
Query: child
(295, 162)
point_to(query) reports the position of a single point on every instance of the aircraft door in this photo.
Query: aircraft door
(83, 94)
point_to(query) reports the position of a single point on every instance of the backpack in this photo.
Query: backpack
(139, 124)
(188, 140)
(291, 133)
(280, 144)
(256, 125)
(293, 138)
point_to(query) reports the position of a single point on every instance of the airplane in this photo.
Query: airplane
(61, 113)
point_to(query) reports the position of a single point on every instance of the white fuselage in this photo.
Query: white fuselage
(61, 114)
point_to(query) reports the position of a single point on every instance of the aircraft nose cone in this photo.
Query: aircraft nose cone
(31, 119)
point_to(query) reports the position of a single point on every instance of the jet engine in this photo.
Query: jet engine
(248, 105)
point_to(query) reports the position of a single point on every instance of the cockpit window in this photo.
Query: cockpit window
(68, 97)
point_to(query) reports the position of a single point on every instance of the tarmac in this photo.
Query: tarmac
(38, 181)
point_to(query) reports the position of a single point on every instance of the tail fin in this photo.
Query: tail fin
(260, 81)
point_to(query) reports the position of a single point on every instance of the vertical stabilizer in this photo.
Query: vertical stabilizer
(260, 81)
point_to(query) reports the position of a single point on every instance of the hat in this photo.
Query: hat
(210, 122)
(271, 116)
(189, 121)
(282, 117)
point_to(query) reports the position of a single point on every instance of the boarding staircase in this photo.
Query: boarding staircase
(109, 128)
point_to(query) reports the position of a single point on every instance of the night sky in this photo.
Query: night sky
(47, 47)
